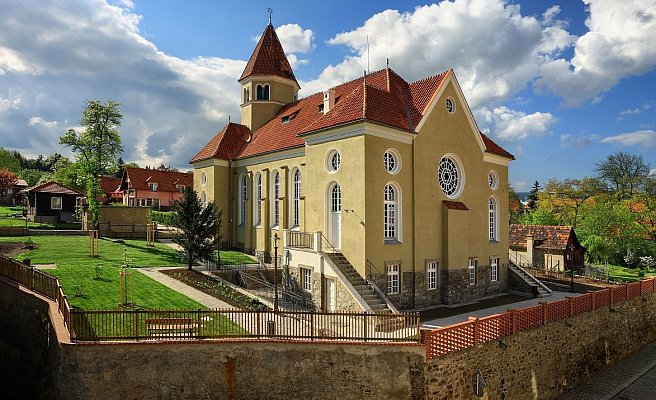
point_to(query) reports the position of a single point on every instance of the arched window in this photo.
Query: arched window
(390, 217)
(247, 95)
(243, 193)
(275, 215)
(492, 207)
(296, 207)
(336, 199)
(263, 91)
(203, 199)
(257, 221)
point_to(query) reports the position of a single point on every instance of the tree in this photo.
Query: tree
(8, 161)
(97, 148)
(34, 176)
(565, 198)
(198, 227)
(623, 173)
(7, 180)
(539, 216)
(514, 204)
(533, 196)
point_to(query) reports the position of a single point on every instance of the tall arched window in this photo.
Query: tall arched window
(493, 220)
(296, 207)
(243, 194)
(275, 215)
(247, 95)
(263, 91)
(390, 217)
(257, 221)
(336, 199)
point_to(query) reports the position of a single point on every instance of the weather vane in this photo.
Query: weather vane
(270, 10)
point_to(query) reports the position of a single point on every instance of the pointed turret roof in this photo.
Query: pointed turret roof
(269, 58)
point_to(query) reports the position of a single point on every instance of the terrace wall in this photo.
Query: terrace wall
(543, 362)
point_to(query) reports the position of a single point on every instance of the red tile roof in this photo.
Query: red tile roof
(268, 58)
(544, 236)
(53, 187)
(166, 180)
(494, 148)
(382, 97)
(226, 144)
(455, 205)
(109, 184)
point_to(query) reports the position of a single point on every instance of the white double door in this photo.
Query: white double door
(335, 217)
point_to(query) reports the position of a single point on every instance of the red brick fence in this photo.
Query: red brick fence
(479, 330)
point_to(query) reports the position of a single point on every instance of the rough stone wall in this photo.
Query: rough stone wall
(456, 287)
(251, 370)
(28, 347)
(542, 363)
(423, 296)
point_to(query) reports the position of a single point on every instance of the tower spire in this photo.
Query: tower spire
(270, 10)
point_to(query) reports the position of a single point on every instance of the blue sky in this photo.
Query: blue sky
(560, 84)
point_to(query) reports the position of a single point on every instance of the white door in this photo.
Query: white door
(336, 216)
(330, 295)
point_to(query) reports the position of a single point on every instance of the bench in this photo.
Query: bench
(169, 326)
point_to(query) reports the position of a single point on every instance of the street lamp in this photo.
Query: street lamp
(275, 271)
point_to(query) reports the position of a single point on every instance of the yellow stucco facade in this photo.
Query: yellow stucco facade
(444, 248)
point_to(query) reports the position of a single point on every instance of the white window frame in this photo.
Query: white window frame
(257, 199)
(152, 186)
(392, 213)
(275, 204)
(391, 156)
(493, 180)
(471, 269)
(393, 278)
(243, 201)
(493, 219)
(431, 274)
(333, 161)
(306, 278)
(447, 162)
(296, 198)
(56, 203)
(180, 188)
(203, 199)
(494, 269)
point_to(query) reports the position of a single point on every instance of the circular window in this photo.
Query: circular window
(493, 180)
(392, 161)
(450, 105)
(333, 161)
(450, 176)
(203, 178)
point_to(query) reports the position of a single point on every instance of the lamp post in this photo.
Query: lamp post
(275, 271)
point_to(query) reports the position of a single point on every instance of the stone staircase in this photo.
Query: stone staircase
(366, 291)
(527, 283)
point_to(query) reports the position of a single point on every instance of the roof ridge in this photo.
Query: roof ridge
(430, 77)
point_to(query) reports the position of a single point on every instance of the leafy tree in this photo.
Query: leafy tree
(33, 176)
(533, 196)
(7, 180)
(8, 161)
(623, 173)
(198, 227)
(515, 205)
(69, 174)
(539, 216)
(565, 198)
(51, 161)
(97, 148)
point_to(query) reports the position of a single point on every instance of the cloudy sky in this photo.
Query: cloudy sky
(561, 84)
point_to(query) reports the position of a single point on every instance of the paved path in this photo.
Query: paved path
(454, 319)
(633, 378)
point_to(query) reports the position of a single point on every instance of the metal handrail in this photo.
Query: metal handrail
(325, 243)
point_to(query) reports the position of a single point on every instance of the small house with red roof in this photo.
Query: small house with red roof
(554, 248)
(51, 202)
(155, 188)
(378, 185)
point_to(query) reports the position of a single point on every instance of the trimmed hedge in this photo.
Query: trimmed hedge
(162, 217)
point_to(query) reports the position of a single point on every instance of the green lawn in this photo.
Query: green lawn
(70, 251)
(8, 219)
(617, 273)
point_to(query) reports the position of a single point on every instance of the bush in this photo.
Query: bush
(162, 217)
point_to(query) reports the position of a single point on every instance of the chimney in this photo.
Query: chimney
(328, 100)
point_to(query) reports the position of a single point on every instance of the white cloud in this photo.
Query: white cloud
(646, 138)
(295, 39)
(493, 49)
(520, 186)
(511, 125)
(567, 140)
(652, 172)
(619, 44)
(634, 111)
(88, 49)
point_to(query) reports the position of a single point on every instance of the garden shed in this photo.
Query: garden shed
(51, 202)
